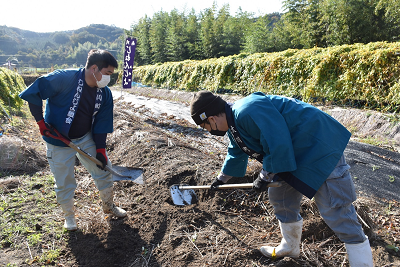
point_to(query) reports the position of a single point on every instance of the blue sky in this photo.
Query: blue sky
(50, 15)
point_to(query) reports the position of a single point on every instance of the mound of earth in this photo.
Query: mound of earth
(224, 228)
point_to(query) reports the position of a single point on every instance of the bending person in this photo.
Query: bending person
(299, 145)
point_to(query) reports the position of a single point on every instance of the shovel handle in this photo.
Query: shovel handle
(85, 154)
(226, 186)
(95, 160)
(68, 142)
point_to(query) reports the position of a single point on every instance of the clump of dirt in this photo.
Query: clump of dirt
(225, 228)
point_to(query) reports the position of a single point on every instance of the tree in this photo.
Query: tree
(176, 37)
(281, 36)
(158, 35)
(350, 21)
(193, 41)
(209, 40)
(300, 24)
(390, 10)
(242, 23)
(8, 44)
(229, 31)
(258, 37)
(61, 38)
(141, 31)
(81, 52)
(84, 37)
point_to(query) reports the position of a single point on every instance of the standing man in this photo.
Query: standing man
(298, 145)
(80, 106)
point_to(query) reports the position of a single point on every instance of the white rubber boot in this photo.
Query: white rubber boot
(360, 255)
(107, 196)
(290, 243)
(69, 215)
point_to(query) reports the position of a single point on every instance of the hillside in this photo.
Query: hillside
(50, 48)
(14, 39)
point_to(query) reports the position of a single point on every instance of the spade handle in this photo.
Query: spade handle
(226, 186)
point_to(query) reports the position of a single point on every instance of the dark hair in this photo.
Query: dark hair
(101, 58)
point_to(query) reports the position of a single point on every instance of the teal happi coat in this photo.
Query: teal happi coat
(295, 138)
(59, 89)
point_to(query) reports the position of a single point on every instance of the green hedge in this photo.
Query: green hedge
(11, 84)
(364, 74)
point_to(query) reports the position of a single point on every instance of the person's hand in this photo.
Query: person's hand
(215, 184)
(44, 127)
(260, 185)
(221, 179)
(102, 157)
(262, 181)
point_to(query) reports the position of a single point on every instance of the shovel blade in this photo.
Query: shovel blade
(183, 197)
(129, 174)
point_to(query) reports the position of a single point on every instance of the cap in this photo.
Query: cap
(205, 104)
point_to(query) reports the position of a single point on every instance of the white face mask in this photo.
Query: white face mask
(105, 79)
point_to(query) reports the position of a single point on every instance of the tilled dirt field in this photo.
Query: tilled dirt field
(225, 228)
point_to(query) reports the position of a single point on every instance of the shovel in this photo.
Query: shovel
(118, 173)
(184, 194)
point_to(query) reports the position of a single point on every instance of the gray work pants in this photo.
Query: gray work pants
(62, 162)
(334, 200)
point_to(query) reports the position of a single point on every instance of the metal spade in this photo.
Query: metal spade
(126, 173)
(183, 195)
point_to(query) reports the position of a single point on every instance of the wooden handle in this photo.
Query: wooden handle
(83, 153)
(226, 186)
(68, 142)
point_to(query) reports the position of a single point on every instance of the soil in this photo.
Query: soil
(224, 228)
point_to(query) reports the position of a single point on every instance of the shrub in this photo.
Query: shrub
(366, 75)
(11, 84)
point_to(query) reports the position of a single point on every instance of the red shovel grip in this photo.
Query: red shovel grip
(57, 135)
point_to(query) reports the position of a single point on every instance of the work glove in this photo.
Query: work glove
(102, 156)
(45, 127)
(215, 184)
(221, 179)
(262, 181)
